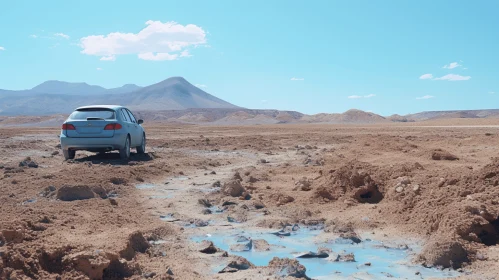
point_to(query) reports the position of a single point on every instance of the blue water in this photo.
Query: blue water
(145, 186)
(385, 262)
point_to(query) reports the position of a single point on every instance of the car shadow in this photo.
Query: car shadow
(114, 158)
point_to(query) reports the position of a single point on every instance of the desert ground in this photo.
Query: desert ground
(429, 190)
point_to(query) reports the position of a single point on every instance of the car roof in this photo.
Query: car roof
(113, 107)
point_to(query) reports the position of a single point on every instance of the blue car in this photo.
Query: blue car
(100, 129)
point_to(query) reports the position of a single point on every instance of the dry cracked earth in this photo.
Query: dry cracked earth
(152, 217)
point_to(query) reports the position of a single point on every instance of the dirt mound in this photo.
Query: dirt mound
(72, 193)
(233, 188)
(353, 181)
(444, 253)
(440, 154)
(136, 243)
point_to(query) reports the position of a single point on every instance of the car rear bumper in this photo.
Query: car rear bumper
(112, 143)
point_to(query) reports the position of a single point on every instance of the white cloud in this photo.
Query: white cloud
(361, 96)
(185, 54)
(108, 58)
(33, 36)
(61, 35)
(157, 41)
(157, 56)
(297, 79)
(452, 65)
(425, 97)
(453, 77)
(491, 92)
(98, 68)
(2, 49)
(426, 77)
(264, 101)
(201, 86)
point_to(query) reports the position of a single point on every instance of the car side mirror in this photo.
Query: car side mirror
(140, 121)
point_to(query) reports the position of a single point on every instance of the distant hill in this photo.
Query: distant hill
(56, 97)
(423, 116)
(351, 116)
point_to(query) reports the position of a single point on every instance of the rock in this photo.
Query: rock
(233, 188)
(351, 236)
(242, 247)
(200, 223)
(242, 239)
(72, 193)
(239, 263)
(113, 201)
(54, 153)
(303, 184)
(169, 271)
(27, 162)
(416, 188)
(399, 189)
(261, 245)
(440, 154)
(205, 202)
(310, 255)
(258, 205)
(208, 248)
(295, 227)
(404, 180)
(288, 267)
(206, 212)
(342, 257)
(264, 161)
(149, 274)
(281, 233)
(13, 235)
(481, 257)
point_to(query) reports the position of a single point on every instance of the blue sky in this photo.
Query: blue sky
(310, 56)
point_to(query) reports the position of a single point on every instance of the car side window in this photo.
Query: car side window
(132, 117)
(125, 115)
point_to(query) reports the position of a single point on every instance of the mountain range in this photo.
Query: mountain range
(177, 100)
(56, 97)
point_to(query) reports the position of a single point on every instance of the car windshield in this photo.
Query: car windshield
(92, 114)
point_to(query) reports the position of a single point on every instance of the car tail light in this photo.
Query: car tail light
(68, 127)
(113, 126)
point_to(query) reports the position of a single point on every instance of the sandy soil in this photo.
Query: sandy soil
(86, 219)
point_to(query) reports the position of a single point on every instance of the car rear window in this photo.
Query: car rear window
(93, 114)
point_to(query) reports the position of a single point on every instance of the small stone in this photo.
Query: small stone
(113, 201)
(416, 188)
(206, 212)
(399, 189)
(441, 182)
(149, 275)
(169, 271)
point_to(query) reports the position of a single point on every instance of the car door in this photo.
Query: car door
(127, 123)
(136, 130)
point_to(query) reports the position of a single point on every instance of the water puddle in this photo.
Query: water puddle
(372, 258)
(29, 201)
(145, 186)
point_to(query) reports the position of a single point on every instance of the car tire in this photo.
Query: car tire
(69, 154)
(125, 151)
(142, 148)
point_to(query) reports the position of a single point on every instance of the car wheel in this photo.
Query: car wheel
(69, 154)
(125, 151)
(142, 148)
